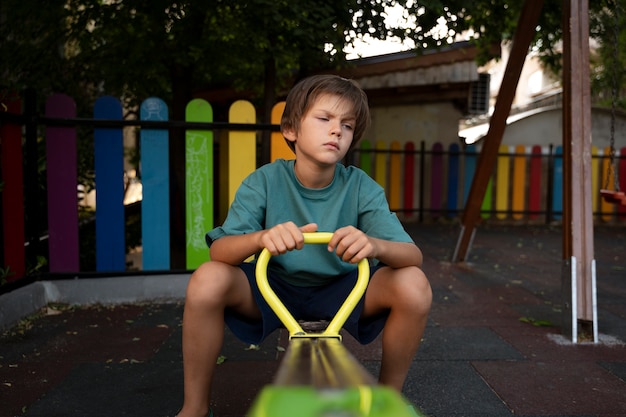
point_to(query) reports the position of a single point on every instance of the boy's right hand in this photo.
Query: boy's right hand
(285, 237)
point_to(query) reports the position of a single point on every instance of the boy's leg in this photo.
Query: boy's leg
(212, 287)
(406, 294)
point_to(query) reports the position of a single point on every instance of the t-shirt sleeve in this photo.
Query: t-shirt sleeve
(247, 212)
(376, 219)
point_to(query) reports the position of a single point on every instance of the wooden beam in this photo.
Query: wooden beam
(487, 159)
(578, 250)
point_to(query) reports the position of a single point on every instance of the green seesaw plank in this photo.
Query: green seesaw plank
(199, 182)
(306, 401)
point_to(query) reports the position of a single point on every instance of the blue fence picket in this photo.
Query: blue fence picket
(155, 207)
(469, 167)
(109, 165)
(453, 180)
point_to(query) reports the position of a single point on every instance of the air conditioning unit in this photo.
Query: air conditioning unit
(479, 95)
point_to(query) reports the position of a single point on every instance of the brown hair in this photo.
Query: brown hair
(304, 94)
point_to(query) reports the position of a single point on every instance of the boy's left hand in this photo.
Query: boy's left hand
(351, 245)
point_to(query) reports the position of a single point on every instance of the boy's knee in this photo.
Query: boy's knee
(207, 281)
(415, 289)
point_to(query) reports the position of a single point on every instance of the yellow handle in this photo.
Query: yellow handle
(292, 325)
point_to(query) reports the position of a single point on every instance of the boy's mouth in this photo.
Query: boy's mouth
(333, 145)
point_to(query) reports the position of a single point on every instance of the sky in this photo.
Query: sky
(371, 47)
(374, 47)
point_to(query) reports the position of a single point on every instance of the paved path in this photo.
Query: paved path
(493, 346)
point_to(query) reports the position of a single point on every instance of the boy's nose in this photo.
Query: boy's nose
(335, 129)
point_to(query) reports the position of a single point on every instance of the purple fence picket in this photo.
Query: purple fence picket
(61, 162)
(12, 194)
(409, 178)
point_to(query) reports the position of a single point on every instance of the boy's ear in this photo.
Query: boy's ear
(289, 134)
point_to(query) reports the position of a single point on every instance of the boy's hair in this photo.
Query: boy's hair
(305, 93)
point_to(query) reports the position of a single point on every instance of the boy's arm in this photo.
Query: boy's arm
(352, 245)
(234, 249)
(398, 254)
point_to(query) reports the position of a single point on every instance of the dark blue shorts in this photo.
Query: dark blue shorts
(304, 303)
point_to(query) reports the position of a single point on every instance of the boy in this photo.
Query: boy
(324, 117)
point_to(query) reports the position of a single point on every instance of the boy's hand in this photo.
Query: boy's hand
(351, 245)
(285, 237)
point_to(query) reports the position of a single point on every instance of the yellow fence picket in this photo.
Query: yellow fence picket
(240, 149)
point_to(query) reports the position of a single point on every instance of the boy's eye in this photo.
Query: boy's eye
(347, 126)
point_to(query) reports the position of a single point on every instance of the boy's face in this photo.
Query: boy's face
(326, 131)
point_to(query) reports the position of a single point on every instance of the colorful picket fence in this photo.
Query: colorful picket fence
(527, 182)
(425, 182)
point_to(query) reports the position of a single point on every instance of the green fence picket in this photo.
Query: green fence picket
(199, 182)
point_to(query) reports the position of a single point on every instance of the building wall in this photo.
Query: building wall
(429, 122)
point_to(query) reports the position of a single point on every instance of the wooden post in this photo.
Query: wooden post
(491, 143)
(578, 251)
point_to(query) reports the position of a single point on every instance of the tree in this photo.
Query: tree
(136, 48)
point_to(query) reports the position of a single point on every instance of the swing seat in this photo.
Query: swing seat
(612, 196)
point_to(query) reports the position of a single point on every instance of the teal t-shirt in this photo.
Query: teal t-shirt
(272, 195)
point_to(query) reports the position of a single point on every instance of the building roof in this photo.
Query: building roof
(411, 77)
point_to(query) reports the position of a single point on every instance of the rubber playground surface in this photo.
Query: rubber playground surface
(493, 346)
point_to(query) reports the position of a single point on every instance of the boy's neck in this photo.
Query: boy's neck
(314, 176)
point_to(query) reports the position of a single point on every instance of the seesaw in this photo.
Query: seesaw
(319, 377)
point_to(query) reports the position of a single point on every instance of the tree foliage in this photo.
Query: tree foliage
(136, 48)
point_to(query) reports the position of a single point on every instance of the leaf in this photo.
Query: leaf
(253, 347)
(52, 311)
(221, 359)
(535, 322)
